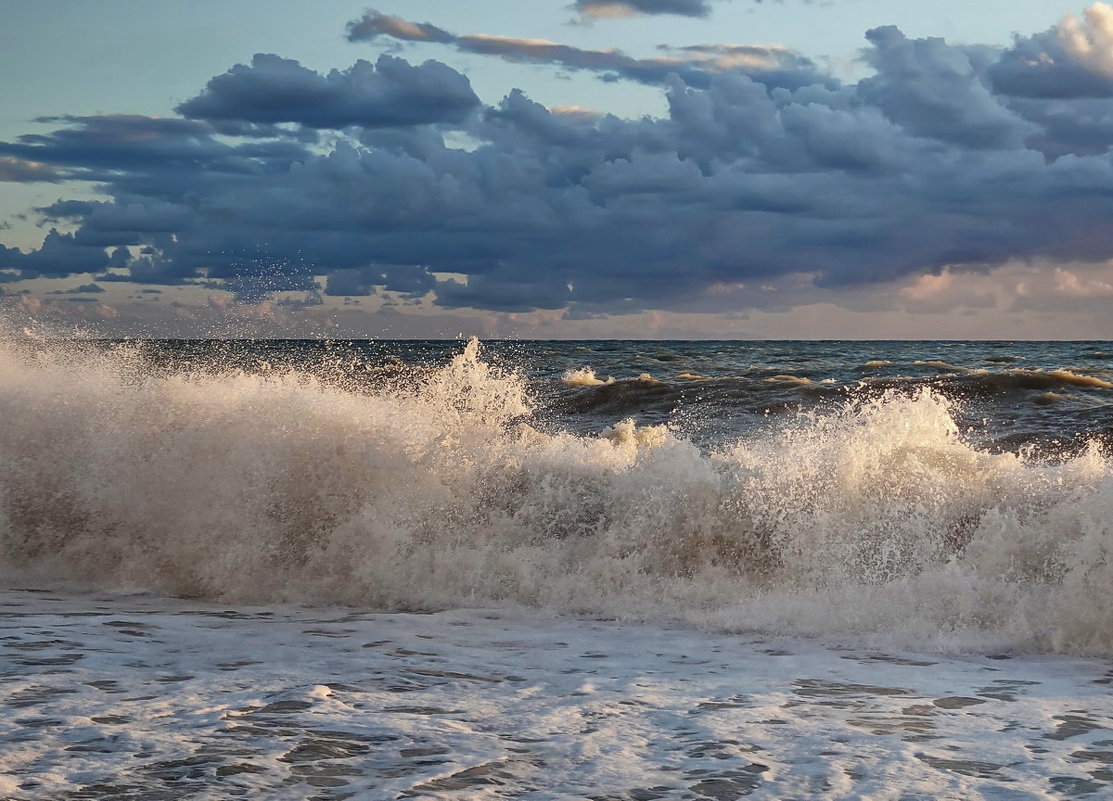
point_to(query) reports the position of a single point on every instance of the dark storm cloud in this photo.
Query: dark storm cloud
(388, 93)
(926, 165)
(1082, 126)
(365, 281)
(934, 90)
(66, 210)
(108, 147)
(257, 286)
(59, 256)
(505, 289)
(772, 66)
(18, 171)
(352, 283)
(610, 8)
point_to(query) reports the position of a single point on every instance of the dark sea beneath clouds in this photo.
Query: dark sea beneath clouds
(609, 569)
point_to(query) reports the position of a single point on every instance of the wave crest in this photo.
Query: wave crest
(876, 518)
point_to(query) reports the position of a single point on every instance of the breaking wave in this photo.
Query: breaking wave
(584, 377)
(874, 518)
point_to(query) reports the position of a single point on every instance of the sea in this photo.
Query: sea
(607, 570)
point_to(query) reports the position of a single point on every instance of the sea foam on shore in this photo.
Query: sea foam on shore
(110, 697)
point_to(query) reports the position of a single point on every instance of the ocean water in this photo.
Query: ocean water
(621, 570)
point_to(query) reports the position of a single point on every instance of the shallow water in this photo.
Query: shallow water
(145, 698)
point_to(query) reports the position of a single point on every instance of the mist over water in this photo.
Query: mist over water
(919, 494)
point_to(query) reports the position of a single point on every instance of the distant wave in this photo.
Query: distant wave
(584, 377)
(871, 516)
(989, 382)
(942, 366)
(647, 395)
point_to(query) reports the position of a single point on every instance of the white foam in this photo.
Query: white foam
(584, 377)
(150, 698)
(875, 521)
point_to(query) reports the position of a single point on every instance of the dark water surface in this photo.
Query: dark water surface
(1050, 397)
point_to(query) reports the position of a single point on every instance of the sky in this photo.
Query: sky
(558, 169)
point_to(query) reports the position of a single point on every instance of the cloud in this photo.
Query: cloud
(84, 289)
(1090, 43)
(932, 89)
(1073, 59)
(626, 8)
(14, 170)
(59, 256)
(366, 281)
(373, 24)
(389, 93)
(774, 66)
(96, 147)
(1079, 126)
(924, 168)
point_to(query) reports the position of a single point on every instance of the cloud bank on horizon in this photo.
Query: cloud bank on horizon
(394, 176)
